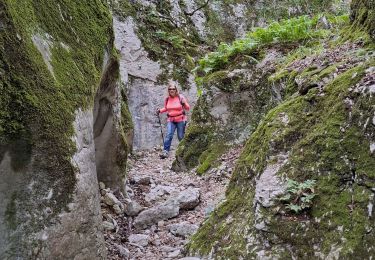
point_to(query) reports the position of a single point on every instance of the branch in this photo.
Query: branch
(199, 8)
(167, 18)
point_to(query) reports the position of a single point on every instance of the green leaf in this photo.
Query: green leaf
(287, 197)
(294, 207)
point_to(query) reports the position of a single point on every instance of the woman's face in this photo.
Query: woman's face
(172, 90)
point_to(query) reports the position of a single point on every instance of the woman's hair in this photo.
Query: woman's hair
(172, 84)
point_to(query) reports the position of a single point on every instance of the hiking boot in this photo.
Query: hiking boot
(164, 155)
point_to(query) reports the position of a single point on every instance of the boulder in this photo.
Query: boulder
(189, 198)
(153, 215)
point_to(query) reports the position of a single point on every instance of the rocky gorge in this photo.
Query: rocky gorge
(277, 161)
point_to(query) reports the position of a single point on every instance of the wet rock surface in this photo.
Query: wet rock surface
(161, 209)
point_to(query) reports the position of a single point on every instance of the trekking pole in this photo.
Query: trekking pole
(161, 129)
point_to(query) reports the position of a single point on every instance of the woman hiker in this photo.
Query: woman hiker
(175, 106)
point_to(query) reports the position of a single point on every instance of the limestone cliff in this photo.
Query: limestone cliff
(60, 112)
(304, 185)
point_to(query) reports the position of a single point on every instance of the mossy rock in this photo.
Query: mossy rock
(330, 147)
(41, 93)
(208, 159)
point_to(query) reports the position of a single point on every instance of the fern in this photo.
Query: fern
(300, 29)
(299, 195)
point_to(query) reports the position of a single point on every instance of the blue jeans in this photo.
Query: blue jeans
(171, 127)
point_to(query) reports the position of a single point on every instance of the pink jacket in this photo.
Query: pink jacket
(174, 106)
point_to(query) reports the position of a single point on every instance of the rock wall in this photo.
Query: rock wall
(139, 74)
(320, 136)
(162, 40)
(54, 58)
(142, 75)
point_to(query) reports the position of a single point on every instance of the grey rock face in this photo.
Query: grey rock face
(79, 229)
(145, 95)
(269, 185)
(134, 60)
(198, 18)
(43, 44)
(84, 210)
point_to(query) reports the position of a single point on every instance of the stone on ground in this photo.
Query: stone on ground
(183, 229)
(153, 215)
(139, 239)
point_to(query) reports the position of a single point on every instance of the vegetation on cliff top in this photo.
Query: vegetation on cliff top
(300, 30)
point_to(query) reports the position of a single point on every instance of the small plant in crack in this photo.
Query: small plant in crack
(299, 195)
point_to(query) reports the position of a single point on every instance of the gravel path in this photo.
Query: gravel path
(150, 183)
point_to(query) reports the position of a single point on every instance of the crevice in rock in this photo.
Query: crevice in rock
(107, 134)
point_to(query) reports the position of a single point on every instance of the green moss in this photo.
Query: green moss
(195, 142)
(215, 77)
(363, 16)
(39, 107)
(126, 119)
(208, 158)
(328, 147)
(229, 225)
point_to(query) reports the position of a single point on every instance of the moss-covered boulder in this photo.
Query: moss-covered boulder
(298, 141)
(54, 57)
(232, 103)
(304, 185)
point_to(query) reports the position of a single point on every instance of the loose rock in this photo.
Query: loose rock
(160, 226)
(110, 199)
(124, 252)
(183, 229)
(139, 239)
(133, 208)
(152, 216)
(189, 198)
